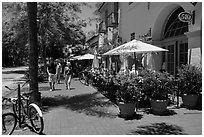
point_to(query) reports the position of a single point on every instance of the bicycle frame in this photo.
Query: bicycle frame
(21, 102)
(23, 108)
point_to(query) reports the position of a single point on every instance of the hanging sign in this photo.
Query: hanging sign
(185, 17)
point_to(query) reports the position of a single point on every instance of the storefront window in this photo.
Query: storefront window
(175, 27)
(177, 54)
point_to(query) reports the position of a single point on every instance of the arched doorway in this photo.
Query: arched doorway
(174, 39)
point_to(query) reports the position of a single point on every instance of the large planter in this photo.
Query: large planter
(126, 109)
(159, 106)
(189, 101)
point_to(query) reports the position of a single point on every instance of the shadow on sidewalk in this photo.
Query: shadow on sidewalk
(159, 129)
(90, 104)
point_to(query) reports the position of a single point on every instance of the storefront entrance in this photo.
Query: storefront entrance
(176, 42)
(176, 56)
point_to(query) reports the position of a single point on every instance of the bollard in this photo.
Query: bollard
(19, 104)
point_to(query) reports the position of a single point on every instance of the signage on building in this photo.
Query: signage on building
(185, 17)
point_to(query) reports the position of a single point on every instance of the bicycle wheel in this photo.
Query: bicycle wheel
(36, 119)
(9, 122)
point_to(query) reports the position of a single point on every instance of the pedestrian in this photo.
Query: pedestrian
(68, 75)
(58, 70)
(51, 70)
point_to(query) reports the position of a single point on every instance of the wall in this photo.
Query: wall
(138, 18)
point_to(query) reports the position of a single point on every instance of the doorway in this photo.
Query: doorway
(176, 56)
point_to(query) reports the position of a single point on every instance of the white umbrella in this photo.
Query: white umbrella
(76, 57)
(134, 46)
(95, 63)
(86, 57)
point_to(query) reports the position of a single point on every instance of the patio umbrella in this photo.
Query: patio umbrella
(134, 46)
(86, 57)
(76, 57)
(95, 63)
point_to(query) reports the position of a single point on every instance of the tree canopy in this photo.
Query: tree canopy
(58, 26)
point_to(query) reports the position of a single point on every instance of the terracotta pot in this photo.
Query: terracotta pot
(159, 106)
(189, 101)
(126, 109)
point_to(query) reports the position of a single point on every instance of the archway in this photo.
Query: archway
(171, 36)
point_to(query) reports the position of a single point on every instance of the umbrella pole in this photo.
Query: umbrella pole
(135, 61)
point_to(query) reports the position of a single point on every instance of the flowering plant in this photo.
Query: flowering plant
(129, 88)
(103, 81)
(157, 85)
(190, 79)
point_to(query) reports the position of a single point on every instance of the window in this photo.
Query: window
(171, 59)
(106, 17)
(174, 26)
(183, 55)
(132, 36)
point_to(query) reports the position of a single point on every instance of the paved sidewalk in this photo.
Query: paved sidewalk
(84, 111)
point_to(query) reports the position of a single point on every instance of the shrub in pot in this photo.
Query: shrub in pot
(190, 84)
(128, 93)
(103, 81)
(157, 87)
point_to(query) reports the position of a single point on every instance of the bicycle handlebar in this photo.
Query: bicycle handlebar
(17, 88)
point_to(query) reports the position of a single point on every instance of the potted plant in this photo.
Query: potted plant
(157, 87)
(128, 93)
(103, 81)
(190, 84)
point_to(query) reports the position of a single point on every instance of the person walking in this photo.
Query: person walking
(51, 70)
(58, 70)
(68, 75)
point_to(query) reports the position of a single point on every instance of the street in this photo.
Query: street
(11, 77)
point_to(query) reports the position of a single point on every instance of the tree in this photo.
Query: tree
(33, 51)
(14, 34)
(58, 26)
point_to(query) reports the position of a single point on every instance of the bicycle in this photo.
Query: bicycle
(28, 111)
(9, 120)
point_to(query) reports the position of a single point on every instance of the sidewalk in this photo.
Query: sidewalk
(84, 111)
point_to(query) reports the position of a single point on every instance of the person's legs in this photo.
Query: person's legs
(50, 82)
(58, 78)
(69, 81)
(53, 85)
(65, 81)
(53, 82)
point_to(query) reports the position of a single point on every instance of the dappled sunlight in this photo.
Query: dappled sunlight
(89, 104)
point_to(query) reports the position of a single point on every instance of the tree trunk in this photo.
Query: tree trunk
(33, 51)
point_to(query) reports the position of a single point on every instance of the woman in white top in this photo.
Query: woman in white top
(58, 70)
(68, 75)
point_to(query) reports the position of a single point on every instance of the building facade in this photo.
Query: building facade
(92, 43)
(158, 23)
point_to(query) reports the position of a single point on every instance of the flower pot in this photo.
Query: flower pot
(159, 106)
(126, 109)
(189, 101)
